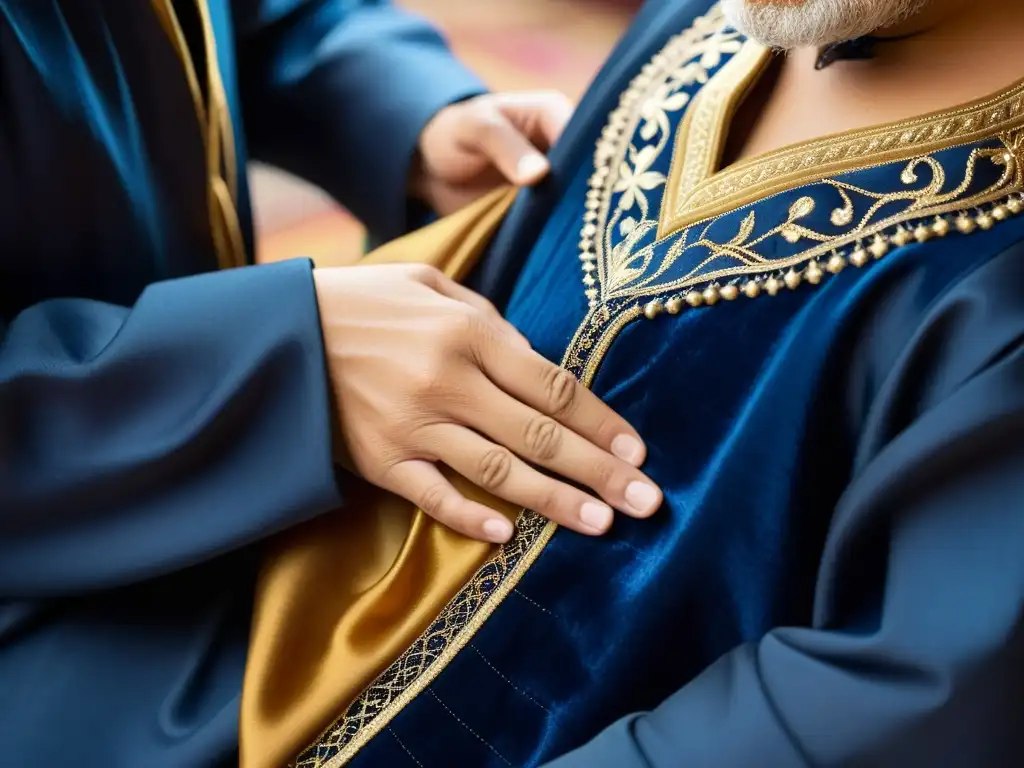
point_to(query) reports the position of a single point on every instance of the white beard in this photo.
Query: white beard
(816, 22)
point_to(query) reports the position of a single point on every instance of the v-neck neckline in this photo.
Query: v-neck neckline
(698, 189)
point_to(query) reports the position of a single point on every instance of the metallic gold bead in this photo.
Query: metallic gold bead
(711, 295)
(591, 293)
(1000, 213)
(586, 244)
(965, 224)
(940, 227)
(1014, 205)
(878, 248)
(858, 258)
(589, 230)
(772, 285)
(752, 289)
(813, 273)
(902, 237)
(589, 266)
(792, 279)
(653, 309)
(985, 221)
(836, 264)
(589, 280)
(694, 298)
(674, 305)
(587, 256)
(922, 233)
(729, 292)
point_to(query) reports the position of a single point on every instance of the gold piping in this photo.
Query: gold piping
(216, 131)
(695, 157)
(817, 159)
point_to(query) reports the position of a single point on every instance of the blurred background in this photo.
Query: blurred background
(511, 44)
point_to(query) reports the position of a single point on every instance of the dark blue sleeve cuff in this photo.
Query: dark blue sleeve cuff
(153, 438)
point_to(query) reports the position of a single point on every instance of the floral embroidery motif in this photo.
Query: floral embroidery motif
(623, 259)
(625, 252)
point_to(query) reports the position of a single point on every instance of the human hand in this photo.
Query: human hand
(426, 371)
(470, 148)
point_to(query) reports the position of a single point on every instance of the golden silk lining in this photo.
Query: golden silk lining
(217, 133)
(344, 595)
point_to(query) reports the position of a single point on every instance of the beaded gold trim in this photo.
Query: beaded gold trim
(622, 249)
(616, 277)
(702, 193)
(877, 247)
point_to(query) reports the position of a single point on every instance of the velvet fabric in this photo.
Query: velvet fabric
(157, 422)
(764, 421)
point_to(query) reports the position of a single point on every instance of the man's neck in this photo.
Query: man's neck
(958, 52)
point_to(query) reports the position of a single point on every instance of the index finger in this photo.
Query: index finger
(544, 386)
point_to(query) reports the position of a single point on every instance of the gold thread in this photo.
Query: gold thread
(533, 532)
(215, 130)
(379, 703)
(817, 159)
(700, 139)
(637, 133)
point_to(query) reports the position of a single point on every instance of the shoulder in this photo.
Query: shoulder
(940, 321)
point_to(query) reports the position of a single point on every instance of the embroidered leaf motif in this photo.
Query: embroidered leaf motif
(746, 227)
(801, 208)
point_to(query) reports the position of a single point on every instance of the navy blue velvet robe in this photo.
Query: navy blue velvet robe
(144, 396)
(824, 350)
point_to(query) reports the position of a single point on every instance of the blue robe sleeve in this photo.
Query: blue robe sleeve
(139, 441)
(338, 92)
(916, 652)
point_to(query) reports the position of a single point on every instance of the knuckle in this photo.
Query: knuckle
(560, 391)
(423, 273)
(542, 438)
(494, 467)
(606, 476)
(432, 500)
(549, 500)
(429, 381)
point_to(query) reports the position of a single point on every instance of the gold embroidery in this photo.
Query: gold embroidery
(622, 247)
(616, 276)
(621, 167)
(814, 160)
(463, 616)
(700, 139)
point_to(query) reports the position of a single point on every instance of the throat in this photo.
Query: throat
(794, 101)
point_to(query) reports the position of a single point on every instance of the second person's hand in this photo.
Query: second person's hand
(425, 371)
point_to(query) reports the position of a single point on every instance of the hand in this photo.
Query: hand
(426, 371)
(471, 147)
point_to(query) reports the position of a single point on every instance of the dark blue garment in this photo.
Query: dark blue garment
(146, 400)
(837, 575)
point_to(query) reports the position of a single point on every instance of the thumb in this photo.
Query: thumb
(509, 150)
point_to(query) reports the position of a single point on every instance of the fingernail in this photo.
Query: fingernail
(531, 168)
(628, 448)
(498, 530)
(596, 516)
(641, 497)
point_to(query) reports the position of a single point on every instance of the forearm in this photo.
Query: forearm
(139, 441)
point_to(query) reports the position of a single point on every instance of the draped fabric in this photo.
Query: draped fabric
(744, 319)
(344, 594)
(161, 417)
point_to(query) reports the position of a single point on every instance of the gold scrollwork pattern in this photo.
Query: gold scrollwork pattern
(625, 254)
(625, 260)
